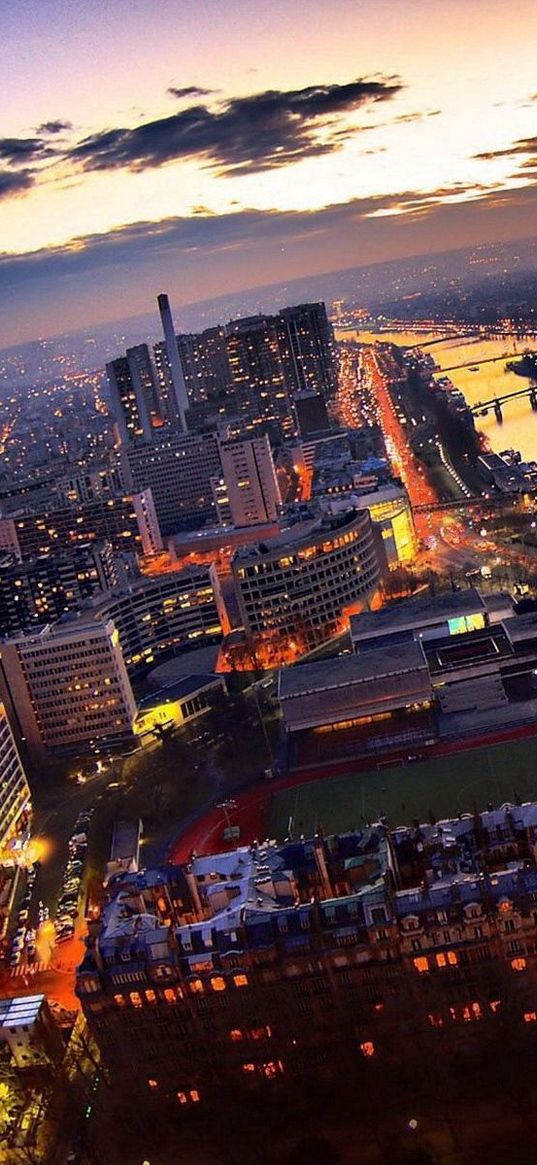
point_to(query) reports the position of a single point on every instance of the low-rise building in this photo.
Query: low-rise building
(176, 705)
(278, 962)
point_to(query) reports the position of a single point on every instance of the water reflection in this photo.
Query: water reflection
(519, 428)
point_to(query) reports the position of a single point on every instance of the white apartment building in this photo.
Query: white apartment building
(253, 492)
(14, 789)
(66, 688)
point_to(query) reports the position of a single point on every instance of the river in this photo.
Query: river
(519, 427)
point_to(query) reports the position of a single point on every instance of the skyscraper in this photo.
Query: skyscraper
(252, 487)
(177, 403)
(258, 375)
(307, 344)
(205, 363)
(145, 381)
(128, 400)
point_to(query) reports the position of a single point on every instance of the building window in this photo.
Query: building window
(120, 1000)
(150, 996)
(196, 987)
(518, 964)
(421, 965)
(367, 1048)
(218, 983)
(530, 1017)
(135, 998)
(153, 1084)
(235, 1034)
(240, 980)
(249, 1067)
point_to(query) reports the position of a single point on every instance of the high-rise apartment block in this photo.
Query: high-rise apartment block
(66, 688)
(308, 348)
(252, 488)
(160, 616)
(177, 469)
(127, 521)
(259, 385)
(41, 590)
(14, 790)
(303, 580)
(205, 363)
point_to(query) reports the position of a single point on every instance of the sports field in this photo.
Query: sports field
(444, 785)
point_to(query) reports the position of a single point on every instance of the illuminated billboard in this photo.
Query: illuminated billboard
(463, 623)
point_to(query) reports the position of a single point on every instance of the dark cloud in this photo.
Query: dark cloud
(189, 91)
(15, 182)
(100, 277)
(19, 151)
(522, 146)
(54, 127)
(260, 132)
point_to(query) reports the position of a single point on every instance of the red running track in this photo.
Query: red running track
(206, 835)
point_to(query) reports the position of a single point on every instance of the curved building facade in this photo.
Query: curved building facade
(305, 578)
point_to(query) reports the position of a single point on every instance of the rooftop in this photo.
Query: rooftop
(177, 690)
(22, 1010)
(426, 610)
(344, 670)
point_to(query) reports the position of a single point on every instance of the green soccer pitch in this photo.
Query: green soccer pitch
(444, 785)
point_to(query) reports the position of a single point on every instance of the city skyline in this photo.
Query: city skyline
(123, 170)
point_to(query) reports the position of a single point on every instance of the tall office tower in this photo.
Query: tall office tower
(177, 402)
(205, 364)
(308, 349)
(258, 376)
(177, 470)
(145, 381)
(253, 492)
(128, 401)
(66, 689)
(14, 790)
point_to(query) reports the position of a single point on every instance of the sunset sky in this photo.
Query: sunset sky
(201, 147)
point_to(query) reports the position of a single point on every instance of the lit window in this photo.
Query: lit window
(196, 987)
(367, 1048)
(153, 1084)
(421, 964)
(194, 1095)
(476, 1010)
(452, 958)
(271, 1069)
(505, 907)
(119, 1000)
(235, 1034)
(182, 1098)
(150, 996)
(136, 998)
(240, 980)
(248, 1067)
(495, 1004)
(218, 983)
(530, 1017)
(441, 960)
(260, 1033)
(169, 995)
(518, 964)
(435, 1020)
